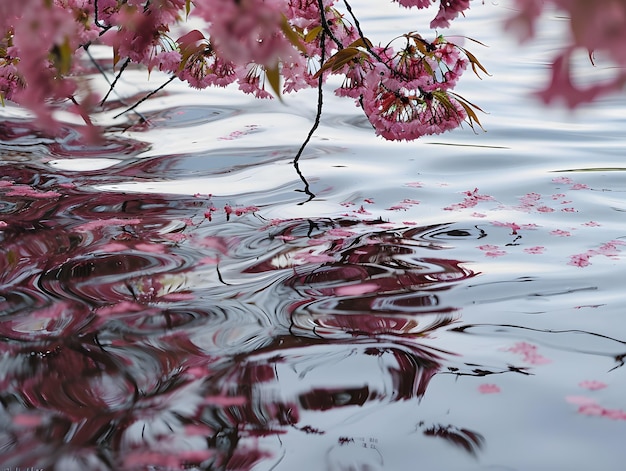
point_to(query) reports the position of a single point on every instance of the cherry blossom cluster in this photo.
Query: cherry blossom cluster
(263, 46)
(597, 27)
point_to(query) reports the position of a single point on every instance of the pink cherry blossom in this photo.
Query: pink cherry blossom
(492, 250)
(511, 225)
(579, 186)
(592, 385)
(529, 353)
(247, 31)
(580, 260)
(588, 406)
(535, 250)
(472, 198)
(489, 389)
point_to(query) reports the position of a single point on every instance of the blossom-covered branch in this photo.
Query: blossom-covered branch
(263, 46)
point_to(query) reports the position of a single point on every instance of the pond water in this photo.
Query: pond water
(178, 298)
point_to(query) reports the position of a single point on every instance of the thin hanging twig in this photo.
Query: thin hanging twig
(103, 73)
(316, 122)
(112, 84)
(171, 79)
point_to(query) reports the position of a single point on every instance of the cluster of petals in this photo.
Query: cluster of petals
(448, 10)
(598, 26)
(405, 94)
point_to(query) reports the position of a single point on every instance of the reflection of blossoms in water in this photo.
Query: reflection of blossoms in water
(113, 361)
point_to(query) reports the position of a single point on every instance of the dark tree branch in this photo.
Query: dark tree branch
(112, 84)
(326, 28)
(171, 79)
(316, 123)
(103, 73)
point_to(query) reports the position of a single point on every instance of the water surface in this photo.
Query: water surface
(175, 299)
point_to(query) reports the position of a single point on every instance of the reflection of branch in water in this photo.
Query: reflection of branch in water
(461, 437)
(512, 330)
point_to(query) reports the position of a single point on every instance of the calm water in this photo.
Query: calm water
(174, 299)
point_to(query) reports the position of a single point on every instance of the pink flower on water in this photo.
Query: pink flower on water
(537, 250)
(472, 198)
(545, 209)
(492, 251)
(560, 233)
(529, 353)
(589, 406)
(580, 260)
(592, 224)
(579, 186)
(488, 389)
(511, 225)
(592, 385)
(488, 247)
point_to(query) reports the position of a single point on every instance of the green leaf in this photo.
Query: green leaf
(361, 42)
(273, 77)
(116, 55)
(337, 60)
(61, 55)
(291, 35)
(313, 33)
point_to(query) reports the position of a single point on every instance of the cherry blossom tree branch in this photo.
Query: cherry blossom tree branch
(316, 122)
(112, 84)
(139, 102)
(327, 30)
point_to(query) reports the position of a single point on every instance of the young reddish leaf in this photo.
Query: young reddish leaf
(344, 56)
(190, 44)
(475, 63)
(190, 41)
(338, 60)
(361, 42)
(471, 114)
